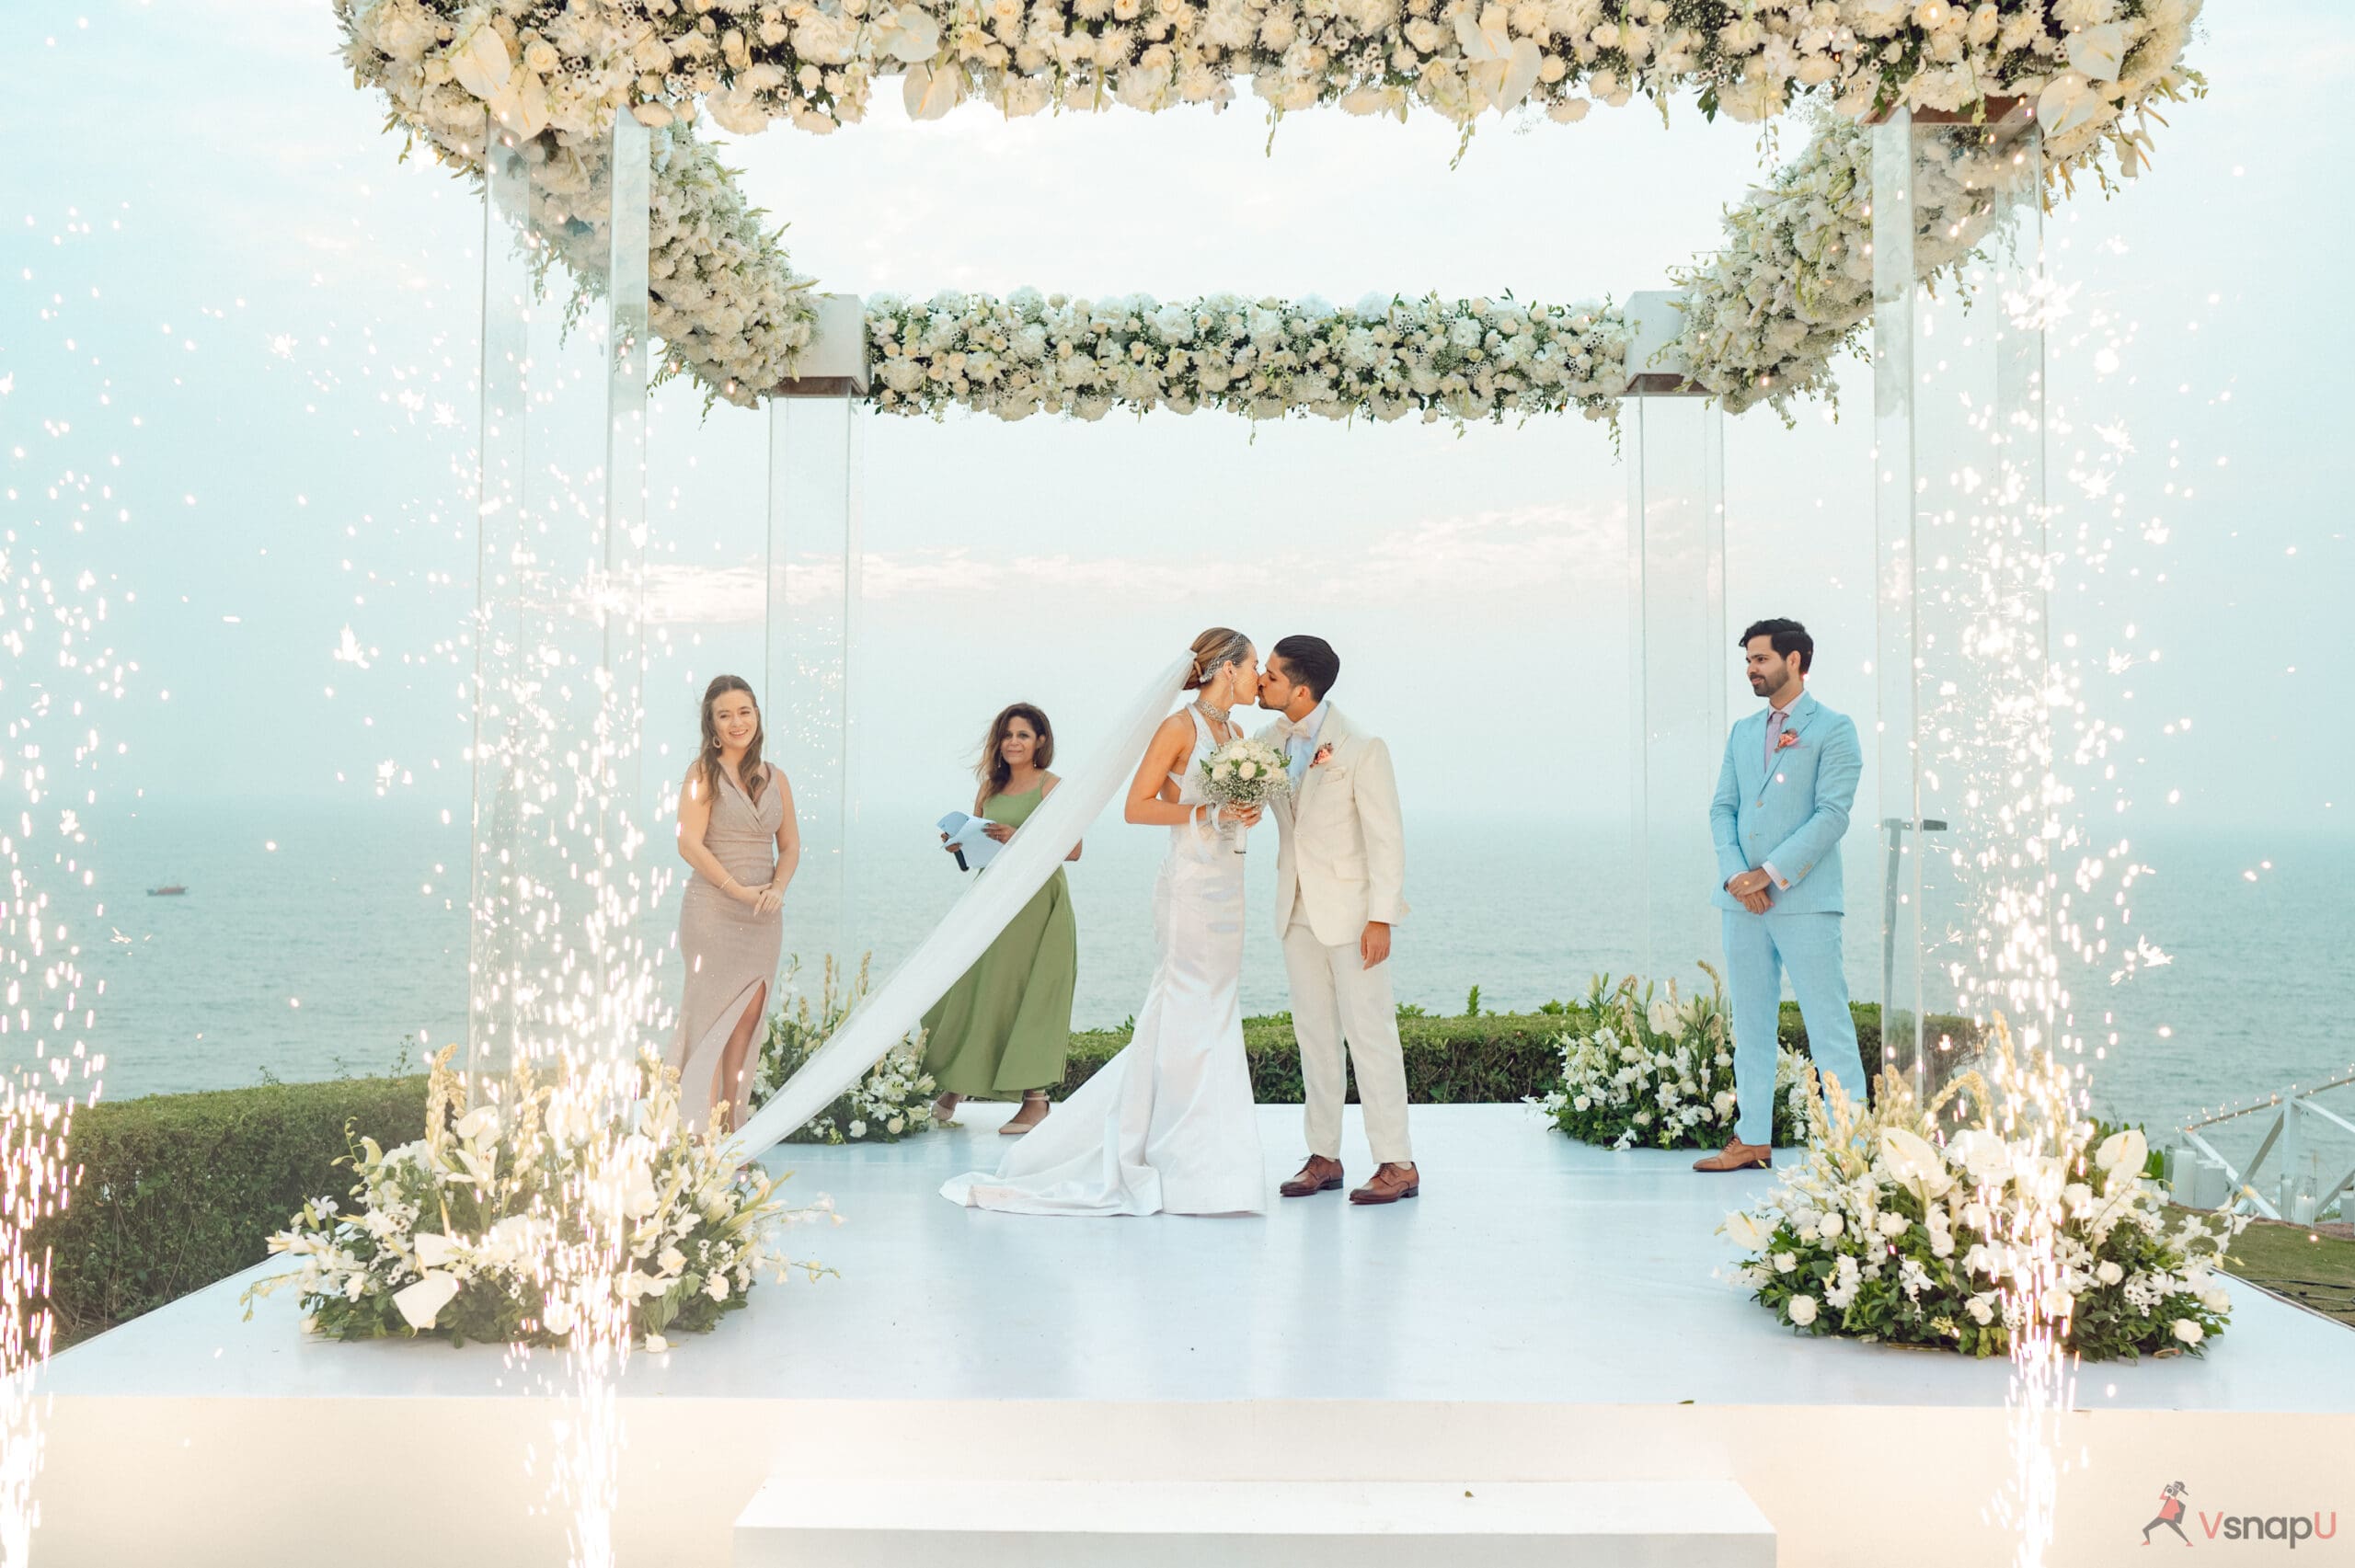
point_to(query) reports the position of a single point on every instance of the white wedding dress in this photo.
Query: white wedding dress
(1167, 1127)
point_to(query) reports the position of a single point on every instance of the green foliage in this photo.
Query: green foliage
(1472, 1003)
(177, 1191)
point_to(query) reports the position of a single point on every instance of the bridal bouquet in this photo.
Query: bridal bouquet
(1246, 773)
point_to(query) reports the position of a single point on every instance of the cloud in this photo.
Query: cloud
(1485, 556)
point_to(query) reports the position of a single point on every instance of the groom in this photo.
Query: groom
(1340, 868)
(1781, 809)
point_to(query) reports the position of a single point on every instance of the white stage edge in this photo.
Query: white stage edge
(1543, 1314)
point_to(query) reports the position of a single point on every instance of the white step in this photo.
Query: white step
(1252, 1524)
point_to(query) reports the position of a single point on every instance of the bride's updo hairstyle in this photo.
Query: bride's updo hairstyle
(1213, 651)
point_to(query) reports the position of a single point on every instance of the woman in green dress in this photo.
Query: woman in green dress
(1004, 1029)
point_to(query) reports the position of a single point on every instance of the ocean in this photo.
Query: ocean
(314, 938)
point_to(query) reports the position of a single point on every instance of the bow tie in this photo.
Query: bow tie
(1292, 731)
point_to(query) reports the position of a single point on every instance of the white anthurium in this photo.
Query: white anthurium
(2098, 51)
(1503, 68)
(905, 33)
(1914, 1161)
(479, 1125)
(930, 94)
(2068, 102)
(1745, 1230)
(435, 1250)
(422, 1302)
(2123, 1152)
(1983, 1154)
(480, 60)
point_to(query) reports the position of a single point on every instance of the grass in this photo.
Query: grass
(2311, 1265)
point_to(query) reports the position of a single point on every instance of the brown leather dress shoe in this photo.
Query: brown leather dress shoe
(1319, 1175)
(1738, 1156)
(1390, 1184)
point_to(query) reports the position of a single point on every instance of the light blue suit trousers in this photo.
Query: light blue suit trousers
(1790, 813)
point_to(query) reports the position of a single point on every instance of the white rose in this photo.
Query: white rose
(1802, 1310)
(2109, 1273)
(1831, 1225)
(1892, 1225)
(1785, 1262)
(1247, 770)
(2189, 1331)
(2217, 1300)
(656, 1344)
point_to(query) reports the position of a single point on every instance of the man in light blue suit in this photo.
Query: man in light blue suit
(1782, 806)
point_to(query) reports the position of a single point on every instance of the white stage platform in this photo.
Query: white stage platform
(1544, 1312)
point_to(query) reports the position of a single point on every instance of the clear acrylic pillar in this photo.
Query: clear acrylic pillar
(808, 707)
(1678, 659)
(1961, 570)
(559, 871)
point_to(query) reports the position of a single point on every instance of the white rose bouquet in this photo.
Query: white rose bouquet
(1245, 773)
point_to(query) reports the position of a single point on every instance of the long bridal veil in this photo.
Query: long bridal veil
(986, 907)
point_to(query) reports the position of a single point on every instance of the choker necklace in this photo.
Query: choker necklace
(1215, 714)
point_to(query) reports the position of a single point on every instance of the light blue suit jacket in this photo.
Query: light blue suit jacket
(1792, 814)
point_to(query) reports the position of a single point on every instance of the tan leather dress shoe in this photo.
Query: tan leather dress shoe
(1390, 1184)
(1738, 1156)
(1319, 1175)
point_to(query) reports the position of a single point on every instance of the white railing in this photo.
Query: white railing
(2297, 1116)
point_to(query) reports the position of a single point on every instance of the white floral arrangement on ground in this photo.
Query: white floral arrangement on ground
(892, 1101)
(1760, 323)
(474, 1231)
(1899, 1229)
(1656, 1070)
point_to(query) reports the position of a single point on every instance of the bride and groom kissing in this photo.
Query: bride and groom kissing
(1168, 1125)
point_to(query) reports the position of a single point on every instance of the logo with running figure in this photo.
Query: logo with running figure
(2170, 1513)
(2290, 1530)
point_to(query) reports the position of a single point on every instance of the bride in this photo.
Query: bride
(1166, 1125)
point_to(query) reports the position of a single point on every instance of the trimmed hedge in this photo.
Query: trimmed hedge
(177, 1191)
(1494, 1056)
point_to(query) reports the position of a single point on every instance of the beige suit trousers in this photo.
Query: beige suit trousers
(1337, 1000)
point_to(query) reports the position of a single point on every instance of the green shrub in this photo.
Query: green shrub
(1494, 1056)
(177, 1191)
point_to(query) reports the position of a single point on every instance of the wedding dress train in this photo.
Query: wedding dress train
(1167, 1127)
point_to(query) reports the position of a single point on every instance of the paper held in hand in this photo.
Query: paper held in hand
(971, 837)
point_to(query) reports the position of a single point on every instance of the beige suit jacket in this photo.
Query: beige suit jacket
(1343, 855)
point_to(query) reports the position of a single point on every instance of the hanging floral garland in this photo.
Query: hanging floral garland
(1763, 317)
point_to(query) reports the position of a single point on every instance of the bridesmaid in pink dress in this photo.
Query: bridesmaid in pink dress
(738, 834)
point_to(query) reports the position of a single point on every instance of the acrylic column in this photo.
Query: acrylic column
(815, 457)
(1678, 660)
(1968, 806)
(561, 877)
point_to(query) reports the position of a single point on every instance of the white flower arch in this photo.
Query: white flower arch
(1763, 316)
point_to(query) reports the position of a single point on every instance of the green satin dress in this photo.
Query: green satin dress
(1006, 1027)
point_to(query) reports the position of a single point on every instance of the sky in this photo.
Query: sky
(238, 333)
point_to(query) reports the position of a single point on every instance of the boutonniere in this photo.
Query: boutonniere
(1324, 755)
(1790, 738)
